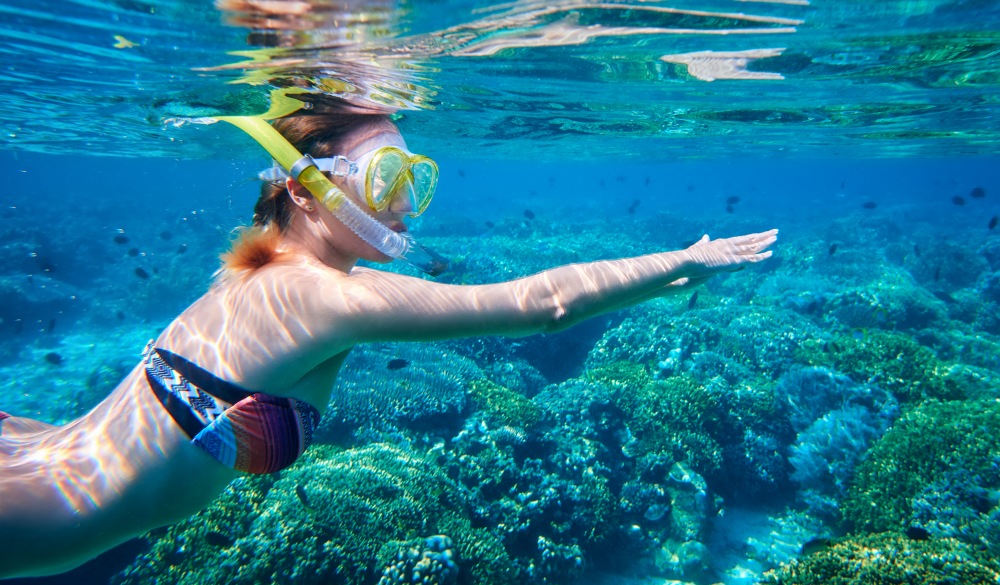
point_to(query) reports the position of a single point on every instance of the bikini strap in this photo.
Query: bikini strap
(202, 378)
(187, 391)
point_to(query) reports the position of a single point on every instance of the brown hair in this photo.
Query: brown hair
(319, 136)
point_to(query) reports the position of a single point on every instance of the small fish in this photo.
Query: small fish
(631, 210)
(693, 300)
(937, 273)
(300, 493)
(120, 315)
(141, 273)
(183, 248)
(490, 225)
(397, 364)
(165, 235)
(842, 184)
(732, 200)
(977, 193)
(993, 222)
(529, 214)
(461, 173)
(656, 512)
(52, 325)
(917, 533)
(730, 209)
(833, 249)
(54, 358)
(869, 205)
(121, 239)
(218, 539)
(815, 545)
(691, 188)
(945, 297)
(133, 252)
(916, 250)
(647, 181)
(636, 203)
(958, 200)
(123, 43)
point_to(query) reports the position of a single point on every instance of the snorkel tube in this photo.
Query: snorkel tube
(396, 245)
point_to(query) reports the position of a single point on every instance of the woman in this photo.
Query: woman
(238, 381)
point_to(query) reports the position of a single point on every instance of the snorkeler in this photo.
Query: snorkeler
(238, 381)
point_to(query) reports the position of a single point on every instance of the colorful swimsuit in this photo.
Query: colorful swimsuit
(259, 433)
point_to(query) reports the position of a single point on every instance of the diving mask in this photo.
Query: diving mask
(389, 172)
(304, 170)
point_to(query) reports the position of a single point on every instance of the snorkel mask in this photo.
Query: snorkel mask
(302, 168)
(381, 174)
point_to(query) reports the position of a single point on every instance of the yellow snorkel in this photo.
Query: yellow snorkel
(303, 169)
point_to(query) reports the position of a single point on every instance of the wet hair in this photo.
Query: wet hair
(320, 136)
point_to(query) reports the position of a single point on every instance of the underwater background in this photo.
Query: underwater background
(829, 416)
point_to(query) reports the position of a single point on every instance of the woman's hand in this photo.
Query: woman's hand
(710, 257)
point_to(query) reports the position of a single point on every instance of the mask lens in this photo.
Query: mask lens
(425, 177)
(384, 173)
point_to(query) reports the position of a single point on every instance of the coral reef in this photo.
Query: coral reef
(430, 561)
(892, 361)
(926, 443)
(891, 558)
(746, 542)
(826, 453)
(695, 439)
(336, 517)
(887, 306)
(388, 385)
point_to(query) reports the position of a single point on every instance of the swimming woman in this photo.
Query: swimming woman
(238, 381)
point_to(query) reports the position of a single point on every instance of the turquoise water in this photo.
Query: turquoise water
(834, 407)
(539, 79)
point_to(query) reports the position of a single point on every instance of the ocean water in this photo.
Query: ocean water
(833, 413)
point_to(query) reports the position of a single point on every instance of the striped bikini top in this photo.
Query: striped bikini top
(258, 433)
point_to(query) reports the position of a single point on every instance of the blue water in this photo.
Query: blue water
(875, 155)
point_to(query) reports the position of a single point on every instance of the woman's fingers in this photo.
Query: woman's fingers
(729, 254)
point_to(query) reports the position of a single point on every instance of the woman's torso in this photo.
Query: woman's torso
(126, 467)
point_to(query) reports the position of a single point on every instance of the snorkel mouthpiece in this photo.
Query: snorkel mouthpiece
(400, 246)
(422, 257)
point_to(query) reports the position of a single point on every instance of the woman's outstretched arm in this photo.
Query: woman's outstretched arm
(377, 306)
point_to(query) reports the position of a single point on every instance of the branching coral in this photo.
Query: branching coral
(500, 407)
(335, 517)
(927, 442)
(892, 361)
(891, 558)
(385, 386)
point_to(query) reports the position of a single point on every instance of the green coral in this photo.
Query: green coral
(335, 517)
(620, 375)
(926, 442)
(677, 416)
(890, 558)
(897, 363)
(206, 539)
(502, 407)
